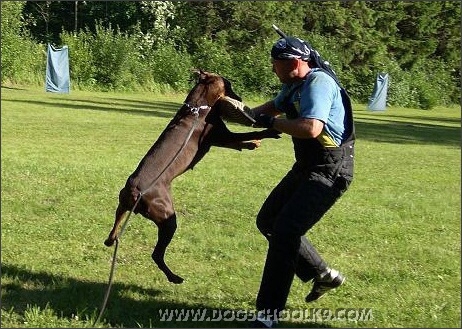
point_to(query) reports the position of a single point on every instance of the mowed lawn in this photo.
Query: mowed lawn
(64, 157)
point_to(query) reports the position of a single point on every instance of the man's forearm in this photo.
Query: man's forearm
(300, 127)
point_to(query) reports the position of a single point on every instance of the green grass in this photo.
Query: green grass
(395, 234)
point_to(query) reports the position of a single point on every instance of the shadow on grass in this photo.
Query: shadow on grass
(386, 128)
(426, 118)
(158, 109)
(398, 132)
(12, 88)
(68, 297)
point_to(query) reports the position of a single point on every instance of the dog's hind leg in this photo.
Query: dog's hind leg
(119, 215)
(166, 231)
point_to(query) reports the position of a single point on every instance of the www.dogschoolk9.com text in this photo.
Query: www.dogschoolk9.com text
(297, 315)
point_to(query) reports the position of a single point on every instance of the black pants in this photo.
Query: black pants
(297, 203)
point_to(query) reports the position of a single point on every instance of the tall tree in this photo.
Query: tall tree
(418, 32)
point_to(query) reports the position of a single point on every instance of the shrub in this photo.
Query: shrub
(433, 83)
(81, 63)
(252, 73)
(400, 91)
(114, 57)
(213, 56)
(170, 66)
(23, 60)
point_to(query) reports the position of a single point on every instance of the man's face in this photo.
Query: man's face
(284, 69)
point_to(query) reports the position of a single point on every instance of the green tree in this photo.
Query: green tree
(358, 38)
(11, 29)
(22, 59)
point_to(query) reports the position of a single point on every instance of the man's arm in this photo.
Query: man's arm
(300, 127)
(267, 116)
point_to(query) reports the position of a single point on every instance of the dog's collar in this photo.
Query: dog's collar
(196, 109)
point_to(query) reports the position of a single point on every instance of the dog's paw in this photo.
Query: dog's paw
(108, 242)
(176, 279)
(251, 145)
(272, 133)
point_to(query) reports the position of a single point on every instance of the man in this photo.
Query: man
(319, 118)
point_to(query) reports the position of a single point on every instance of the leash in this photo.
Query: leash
(195, 112)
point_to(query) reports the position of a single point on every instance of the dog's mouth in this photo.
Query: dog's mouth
(235, 111)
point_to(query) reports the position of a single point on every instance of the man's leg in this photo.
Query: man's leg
(306, 207)
(311, 267)
(275, 201)
(309, 264)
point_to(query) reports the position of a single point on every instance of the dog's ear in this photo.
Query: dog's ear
(229, 90)
(199, 74)
(194, 75)
(203, 75)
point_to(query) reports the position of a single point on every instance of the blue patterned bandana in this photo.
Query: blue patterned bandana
(291, 48)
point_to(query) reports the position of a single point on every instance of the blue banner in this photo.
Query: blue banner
(57, 74)
(378, 99)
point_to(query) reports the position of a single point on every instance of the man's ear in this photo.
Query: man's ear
(296, 63)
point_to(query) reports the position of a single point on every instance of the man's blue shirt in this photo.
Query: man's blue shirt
(318, 97)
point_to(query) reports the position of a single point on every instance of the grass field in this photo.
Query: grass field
(395, 234)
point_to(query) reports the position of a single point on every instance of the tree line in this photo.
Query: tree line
(152, 45)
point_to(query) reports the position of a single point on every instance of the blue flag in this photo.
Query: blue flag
(57, 74)
(378, 99)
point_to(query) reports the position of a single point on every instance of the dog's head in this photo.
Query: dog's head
(216, 92)
(209, 88)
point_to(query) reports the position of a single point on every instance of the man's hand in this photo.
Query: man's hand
(264, 120)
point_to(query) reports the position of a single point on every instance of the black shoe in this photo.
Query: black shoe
(333, 279)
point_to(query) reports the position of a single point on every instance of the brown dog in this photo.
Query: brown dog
(196, 127)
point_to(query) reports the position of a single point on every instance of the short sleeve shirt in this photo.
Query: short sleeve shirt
(318, 97)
